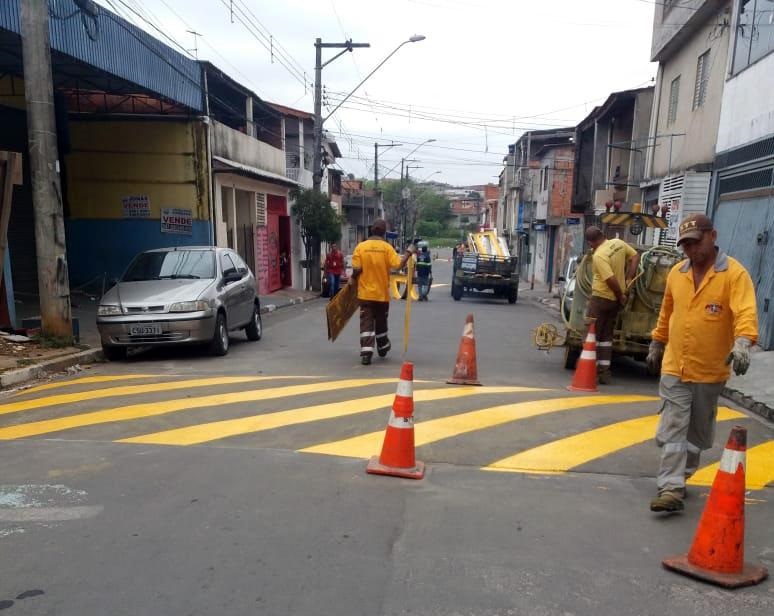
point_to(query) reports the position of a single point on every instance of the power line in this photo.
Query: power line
(267, 42)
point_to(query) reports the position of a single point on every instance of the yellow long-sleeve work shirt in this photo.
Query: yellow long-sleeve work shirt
(699, 326)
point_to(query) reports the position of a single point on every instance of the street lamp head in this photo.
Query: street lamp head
(416, 38)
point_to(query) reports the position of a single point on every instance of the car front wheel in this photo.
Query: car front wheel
(254, 329)
(219, 343)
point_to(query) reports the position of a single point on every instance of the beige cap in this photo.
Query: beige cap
(693, 227)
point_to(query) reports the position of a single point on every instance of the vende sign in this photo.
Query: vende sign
(175, 220)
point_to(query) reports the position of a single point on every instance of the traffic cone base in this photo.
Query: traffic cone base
(748, 576)
(585, 377)
(465, 368)
(717, 552)
(377, 468)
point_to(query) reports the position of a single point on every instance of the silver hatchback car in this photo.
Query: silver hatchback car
(183, 295)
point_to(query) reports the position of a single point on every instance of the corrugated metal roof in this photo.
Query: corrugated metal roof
(120, 49)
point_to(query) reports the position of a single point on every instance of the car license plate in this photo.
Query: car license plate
(153, 329)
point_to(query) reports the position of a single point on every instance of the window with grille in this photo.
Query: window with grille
(674, 95)
(702, 78)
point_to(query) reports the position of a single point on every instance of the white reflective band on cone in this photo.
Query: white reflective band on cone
(588, 355)
(468, 332)
(731, 460)
(400, 422)
(405, 389)
(591, 338)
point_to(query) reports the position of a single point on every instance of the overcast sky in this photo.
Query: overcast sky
(487, 71)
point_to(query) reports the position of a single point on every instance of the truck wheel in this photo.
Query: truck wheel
(513, 295)
(571, 355)
(457, 290)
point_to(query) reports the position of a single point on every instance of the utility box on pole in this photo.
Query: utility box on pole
(53, 279)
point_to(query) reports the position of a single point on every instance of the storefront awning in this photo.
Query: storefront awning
(224, 165)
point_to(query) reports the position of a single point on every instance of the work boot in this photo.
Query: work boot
(604, 377)
(365, 360)
(668, 500)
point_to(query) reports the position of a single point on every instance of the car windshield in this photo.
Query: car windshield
(171, 265)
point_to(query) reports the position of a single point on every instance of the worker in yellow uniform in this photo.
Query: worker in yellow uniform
(372, 261)
(707, 321)
(614, 264)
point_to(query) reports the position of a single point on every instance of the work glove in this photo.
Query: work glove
(740, 355)
(655, 355)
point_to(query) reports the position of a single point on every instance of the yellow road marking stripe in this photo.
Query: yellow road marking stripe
(152, 409)
(216, 430)
(366, 445)
(759, 471)
(564, 454)
(87, 380)
(130, 390)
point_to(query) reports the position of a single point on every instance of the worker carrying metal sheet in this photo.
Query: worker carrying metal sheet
(614, 264)
(371, 264)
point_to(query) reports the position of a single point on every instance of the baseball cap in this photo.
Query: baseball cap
(693, 226)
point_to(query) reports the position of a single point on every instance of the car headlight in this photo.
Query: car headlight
(108, 310)
(189, 306)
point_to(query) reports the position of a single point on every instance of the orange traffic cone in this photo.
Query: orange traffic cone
(717, 553)
(585, 378)
(465, 371)
(397, 458)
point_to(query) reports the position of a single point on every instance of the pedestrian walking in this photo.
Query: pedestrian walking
(334, 268)
(707, 321)
(424, 273)
(372, 261)
(614, 264)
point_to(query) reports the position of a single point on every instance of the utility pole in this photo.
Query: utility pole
(53, 281)
(318, 119)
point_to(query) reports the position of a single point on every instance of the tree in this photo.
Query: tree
(317, 222)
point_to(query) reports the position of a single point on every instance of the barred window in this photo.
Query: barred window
(674, 95)
(702, 79)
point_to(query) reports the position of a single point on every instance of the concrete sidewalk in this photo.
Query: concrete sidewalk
(84, 308)
(753, 391)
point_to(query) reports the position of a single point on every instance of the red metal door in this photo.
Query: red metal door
(275, 280)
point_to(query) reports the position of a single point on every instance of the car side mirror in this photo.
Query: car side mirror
(231, 276)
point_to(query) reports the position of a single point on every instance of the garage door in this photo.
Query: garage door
(746, 232)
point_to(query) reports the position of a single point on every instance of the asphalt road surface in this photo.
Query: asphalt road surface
(175, 483)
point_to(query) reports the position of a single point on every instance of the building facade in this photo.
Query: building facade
(690, 44)
(743, 195)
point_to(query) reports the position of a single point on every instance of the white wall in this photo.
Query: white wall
(747, 113)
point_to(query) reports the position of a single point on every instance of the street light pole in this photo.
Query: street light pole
(406, 203)
(376, 160)
(318, 119)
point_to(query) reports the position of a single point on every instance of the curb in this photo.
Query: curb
(746, 402)
(267, 308)
(36, 371)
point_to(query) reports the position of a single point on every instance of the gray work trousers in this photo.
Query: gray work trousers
(685, 428)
